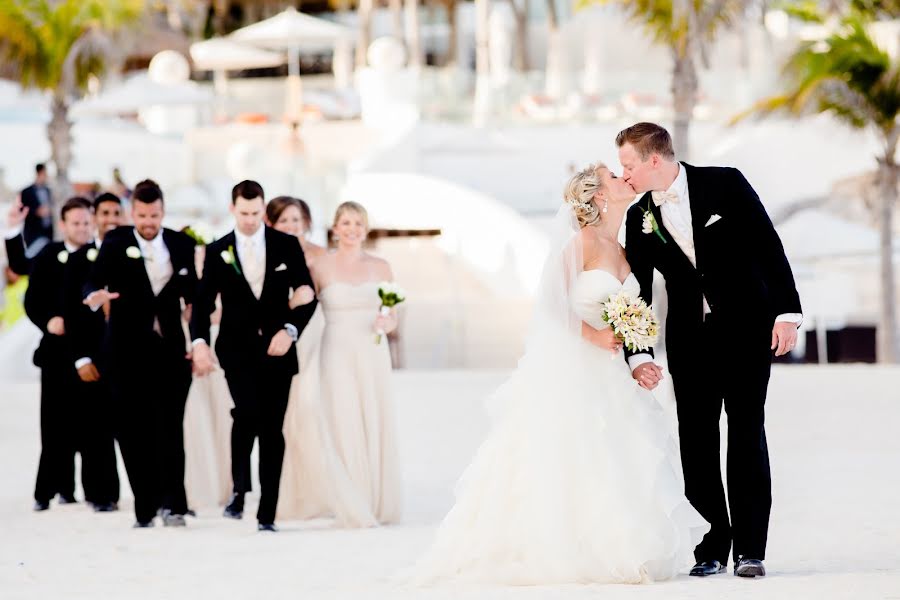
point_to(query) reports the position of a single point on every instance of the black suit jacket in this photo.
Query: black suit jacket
(35, 227)
(248, 324)
(86, 328)
(44, 300)
(741, 266)
(132, 315)
(16, 256)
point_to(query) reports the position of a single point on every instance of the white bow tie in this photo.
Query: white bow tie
(660, 198)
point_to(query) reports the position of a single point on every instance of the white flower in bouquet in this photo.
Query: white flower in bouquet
(200, 233)
(391, 295)
(633, 322)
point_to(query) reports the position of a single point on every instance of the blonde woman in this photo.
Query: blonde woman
(576, 482)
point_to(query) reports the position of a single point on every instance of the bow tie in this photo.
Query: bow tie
(660, 198)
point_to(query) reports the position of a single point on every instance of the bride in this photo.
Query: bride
(577, 481)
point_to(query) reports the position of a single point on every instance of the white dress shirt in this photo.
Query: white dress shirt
(677, 219)
(251, 251)
(156, 260)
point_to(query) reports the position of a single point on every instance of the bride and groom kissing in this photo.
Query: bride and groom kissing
(578, 480)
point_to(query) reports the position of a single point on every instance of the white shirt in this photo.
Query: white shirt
(156, 260)
(254, 268)
(677, 219)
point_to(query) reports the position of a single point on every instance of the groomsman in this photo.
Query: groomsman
(37, 199)
(45, 306)
(147, 274)
(254, 268)
(87, 330)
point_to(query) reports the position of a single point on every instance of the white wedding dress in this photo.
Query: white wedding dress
(578, 480)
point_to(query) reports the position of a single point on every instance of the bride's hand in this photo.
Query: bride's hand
(602, 338)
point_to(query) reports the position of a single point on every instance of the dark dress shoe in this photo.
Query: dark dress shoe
(235, 507)
(191, 513)
(146, 525)
(749, 567)
(267, 527)
(40, 505)
(105, 507)
(65, 499)
(173, 520)
(707, 567)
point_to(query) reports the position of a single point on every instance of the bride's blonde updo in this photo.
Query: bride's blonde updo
(580, 191)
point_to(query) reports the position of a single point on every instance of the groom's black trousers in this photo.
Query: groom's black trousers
(732, 368)
(260, 396)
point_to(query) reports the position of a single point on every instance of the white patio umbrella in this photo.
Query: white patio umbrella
(293, 31)
(221, 55)
(139, 92)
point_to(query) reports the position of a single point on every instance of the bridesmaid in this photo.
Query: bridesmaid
(304, 491)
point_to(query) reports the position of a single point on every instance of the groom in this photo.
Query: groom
(732, 302)
(254, 268)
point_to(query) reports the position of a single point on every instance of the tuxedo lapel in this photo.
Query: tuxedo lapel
(670, 245)
(700, 208)
(231, 243)
(139, 265)
(271, 261)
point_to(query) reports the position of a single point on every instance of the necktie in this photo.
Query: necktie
(253, 270)
(660, 198)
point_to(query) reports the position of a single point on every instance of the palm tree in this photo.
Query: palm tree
(849, 76)
(687, 28)
(56, 46)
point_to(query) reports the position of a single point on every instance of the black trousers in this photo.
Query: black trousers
(150, 395)
(732, 369)
(260, 401)
(59, 425)
(96, 442)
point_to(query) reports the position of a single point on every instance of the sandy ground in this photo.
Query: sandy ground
(835, 525)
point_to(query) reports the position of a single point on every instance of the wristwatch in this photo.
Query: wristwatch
(292, 331)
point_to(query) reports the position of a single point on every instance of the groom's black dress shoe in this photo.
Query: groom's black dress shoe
(749, 567)
(66, 499)
(146, 525)
(235, 508)
(105, 507)
(267, 527)
(707, 567)
(41, 506)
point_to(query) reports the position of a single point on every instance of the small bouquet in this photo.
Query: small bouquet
(200, 234)
(391, 295)
(631, 320)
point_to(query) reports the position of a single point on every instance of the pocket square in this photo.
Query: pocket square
(713, 219)
(281, 267)
(183, 271)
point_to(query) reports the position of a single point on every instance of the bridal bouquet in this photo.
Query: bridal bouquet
(632, 320)
(391, 295)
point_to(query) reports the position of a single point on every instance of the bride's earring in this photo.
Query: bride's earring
(605, 205)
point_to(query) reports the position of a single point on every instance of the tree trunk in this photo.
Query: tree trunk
(364, 34)
(520, 51)
(888, 348)
(482, 63)
(452, 43)
(555, 65)
(396, 8)
(59, 132)
(684, 97)
(220, 14)
(413, 35)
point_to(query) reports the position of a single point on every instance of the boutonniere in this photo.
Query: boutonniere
(63, 257)
(133, 252)
(650, 225)
(92, 254)
(229, 259)
(281, 267)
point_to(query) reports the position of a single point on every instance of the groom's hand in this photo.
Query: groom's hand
(280, 344)
(648, 375)
(784, 337)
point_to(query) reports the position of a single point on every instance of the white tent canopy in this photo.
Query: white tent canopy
(292, 29)
(221, 54)
(139, 92)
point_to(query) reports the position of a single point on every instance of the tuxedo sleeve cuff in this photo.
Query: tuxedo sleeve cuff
(637, 360)
(82, 362)
(795, 318)
(12, 232)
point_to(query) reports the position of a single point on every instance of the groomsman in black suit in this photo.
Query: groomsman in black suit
(36, 198)
(147, 274)
(17, 256)
(87, 331)
(46, 307)
(255, 269)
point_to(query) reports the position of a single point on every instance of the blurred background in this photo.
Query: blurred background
(457, 123)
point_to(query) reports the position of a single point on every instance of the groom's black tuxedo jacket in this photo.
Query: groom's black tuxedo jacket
(741, 266)
(132, 315)
(85, 327)
(248, 324)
